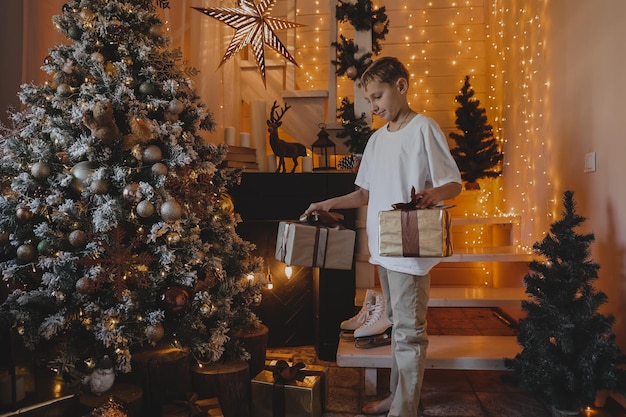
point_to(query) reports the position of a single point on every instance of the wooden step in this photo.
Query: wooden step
(482, 254)
(444, 352)
(465, 296)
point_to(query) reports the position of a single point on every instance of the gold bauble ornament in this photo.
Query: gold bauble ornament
(132, 193)
(26, 252)
(159, 169)
(379, 27)
(82, 173)
(155, 332)
(23, 214)
(352, 72)
(152, 154)
(173, 238)
(78, 238)
(85, 285)
(99, 187)
(40, 170)
(226, 203)
(171, 211)
(175, 106)
(145, 208)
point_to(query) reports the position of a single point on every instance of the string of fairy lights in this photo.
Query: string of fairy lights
(501, 48)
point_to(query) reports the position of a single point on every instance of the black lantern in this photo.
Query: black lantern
(324, 147)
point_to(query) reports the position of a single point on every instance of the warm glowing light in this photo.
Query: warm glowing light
(288, 271)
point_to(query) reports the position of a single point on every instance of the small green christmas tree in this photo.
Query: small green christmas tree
(477, 153)
(569, 350)
(116, 228)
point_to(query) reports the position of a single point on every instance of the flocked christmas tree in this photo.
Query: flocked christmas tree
(569, 350)
(477, 153)
(116, 228)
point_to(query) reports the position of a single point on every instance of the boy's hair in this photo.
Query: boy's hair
(384, 70)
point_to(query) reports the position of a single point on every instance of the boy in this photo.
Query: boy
(409, 150)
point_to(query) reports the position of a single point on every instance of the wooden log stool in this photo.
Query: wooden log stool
(229, 381)
(255, 343)
(164, 374)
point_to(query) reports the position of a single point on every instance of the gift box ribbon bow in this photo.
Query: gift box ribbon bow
(284, 373)
(324, 218)
(412, 204)
(409, 225)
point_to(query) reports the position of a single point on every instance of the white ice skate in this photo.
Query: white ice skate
(376, 331)
(349, 326)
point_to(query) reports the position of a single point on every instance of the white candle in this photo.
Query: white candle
(307, 164)
(258, 130)
(229, 135)
(271, 163)
(244, 139)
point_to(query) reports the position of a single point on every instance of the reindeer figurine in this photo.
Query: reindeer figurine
(281, 148)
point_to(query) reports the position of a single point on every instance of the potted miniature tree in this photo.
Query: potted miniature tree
(568, 348)
(477, 152)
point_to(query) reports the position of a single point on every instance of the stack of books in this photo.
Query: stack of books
(239, 156)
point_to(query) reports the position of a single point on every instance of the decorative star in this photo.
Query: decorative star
(253, 26)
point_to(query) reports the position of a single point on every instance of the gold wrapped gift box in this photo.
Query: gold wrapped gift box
(302, 397)
(315, 246)
(209, 407)
(423, 233)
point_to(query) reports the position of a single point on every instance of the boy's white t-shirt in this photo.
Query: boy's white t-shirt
(415, 156)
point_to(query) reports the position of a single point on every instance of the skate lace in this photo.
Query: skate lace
(375, 313)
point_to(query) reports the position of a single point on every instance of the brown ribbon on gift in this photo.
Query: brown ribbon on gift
(410, 243)
(408, 223)
(285, 374)
(322, 220)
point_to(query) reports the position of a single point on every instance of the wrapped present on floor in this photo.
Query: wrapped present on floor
(193, 407)
(411, 232)
(286, 390)
(319, 240)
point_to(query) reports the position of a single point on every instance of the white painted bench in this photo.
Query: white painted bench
(444, 352)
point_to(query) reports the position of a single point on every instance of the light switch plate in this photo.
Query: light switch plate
(590, 162)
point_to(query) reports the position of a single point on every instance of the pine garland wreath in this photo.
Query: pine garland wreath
(356, 129)
(477, 153)
(569, 349)
(362, 16)
(346, 62)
